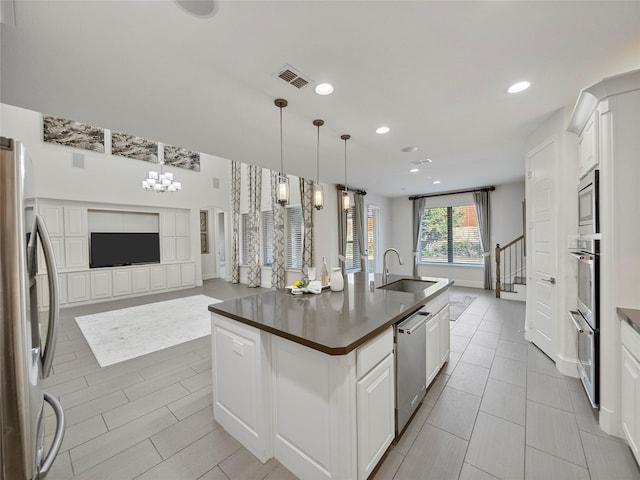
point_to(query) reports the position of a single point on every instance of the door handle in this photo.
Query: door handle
(551, 280)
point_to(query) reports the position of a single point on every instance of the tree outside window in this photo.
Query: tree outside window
(450, 235)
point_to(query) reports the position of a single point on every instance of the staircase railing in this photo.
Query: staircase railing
(510, 265)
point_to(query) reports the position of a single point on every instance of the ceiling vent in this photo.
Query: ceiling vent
(293, 77)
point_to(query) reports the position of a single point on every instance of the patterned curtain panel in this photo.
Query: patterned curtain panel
(277, 269)
(342, 231)
(306, 196)
(418, 208)
(481, 203)
(235, 220)
(361, 231)
(255, 192)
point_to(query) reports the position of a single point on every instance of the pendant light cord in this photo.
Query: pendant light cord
(318, 157)
(281, 156)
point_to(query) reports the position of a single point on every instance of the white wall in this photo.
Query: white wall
(507, 222)
(110, 179)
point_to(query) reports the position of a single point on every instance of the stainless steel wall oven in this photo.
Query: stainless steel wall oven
(586, 317)
(588, 204)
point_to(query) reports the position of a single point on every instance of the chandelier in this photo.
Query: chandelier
(161, 182)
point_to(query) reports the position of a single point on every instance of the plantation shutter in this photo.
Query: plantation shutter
(294, 237)
(267, 238)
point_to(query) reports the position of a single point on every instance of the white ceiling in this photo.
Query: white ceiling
(434, 72)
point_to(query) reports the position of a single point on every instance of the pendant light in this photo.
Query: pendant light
(346, 199)
(282, 193)
(318, 192)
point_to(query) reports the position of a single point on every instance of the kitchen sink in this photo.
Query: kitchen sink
(408, 285)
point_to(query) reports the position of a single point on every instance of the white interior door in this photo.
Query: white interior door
(542, 302)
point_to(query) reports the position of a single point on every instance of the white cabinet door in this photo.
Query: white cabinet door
(187, 274)
(140, 279)
(121, 282)
(168, 224)
(57, 244)
(78, 287)
(62, 288)
(53, 218)
(588, 145)
(173, 276)
(100, 284)
(376, 415)
(445, 335)
(75, 221)
(182, 224)
(433, 348)
(169, 249)
(182, 248)
(157, 277)
(241, 395)
(76, 252)
(630, 411)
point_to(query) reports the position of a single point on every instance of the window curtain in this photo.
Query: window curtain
(235, 220)
(342, 231)
(418, 210)
(481, 203)
(253, 260)
(306, 200)
(279, 252)
(361, 231)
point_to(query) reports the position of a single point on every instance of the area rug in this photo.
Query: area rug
(120, 335)
(458, 303)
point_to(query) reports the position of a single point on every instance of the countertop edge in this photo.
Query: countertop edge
(341, 350)
(631, 316)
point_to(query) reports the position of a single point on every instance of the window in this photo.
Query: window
(450, 235)
(373, 234)
(245, 239)
(204, 231)
(267, 238)
(352, 253)
(295, 229)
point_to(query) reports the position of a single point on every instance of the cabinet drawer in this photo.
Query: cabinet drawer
(630, 339)
(373, 352)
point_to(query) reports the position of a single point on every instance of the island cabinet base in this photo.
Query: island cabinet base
(322, 416)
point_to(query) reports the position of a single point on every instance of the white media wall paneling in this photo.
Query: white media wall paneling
(56, 178)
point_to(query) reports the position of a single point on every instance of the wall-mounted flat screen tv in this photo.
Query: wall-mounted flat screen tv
(111, 249)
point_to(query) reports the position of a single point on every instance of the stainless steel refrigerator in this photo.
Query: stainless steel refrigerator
(28, 325)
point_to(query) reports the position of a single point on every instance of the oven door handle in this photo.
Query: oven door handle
(582, 256)
(574, 315)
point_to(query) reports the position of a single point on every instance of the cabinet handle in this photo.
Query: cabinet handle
(551, 280)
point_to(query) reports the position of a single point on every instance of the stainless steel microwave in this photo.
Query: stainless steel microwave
(588, 204)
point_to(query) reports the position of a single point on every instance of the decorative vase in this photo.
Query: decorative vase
(337, 281)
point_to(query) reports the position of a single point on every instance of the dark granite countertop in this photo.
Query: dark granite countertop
(632, 316)
(331, 322)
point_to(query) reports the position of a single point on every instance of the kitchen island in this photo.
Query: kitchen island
(310, 379)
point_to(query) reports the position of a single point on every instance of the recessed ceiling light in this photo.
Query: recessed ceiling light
(414, 170)
(382, 130)
(410, 149)
(436, 182)
(519, 87)
(324, 88)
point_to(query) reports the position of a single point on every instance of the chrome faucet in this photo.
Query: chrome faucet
(385, 270)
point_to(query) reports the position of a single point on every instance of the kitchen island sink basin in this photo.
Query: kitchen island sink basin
(408, 285)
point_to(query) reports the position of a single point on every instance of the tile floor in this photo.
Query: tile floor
(498, 409)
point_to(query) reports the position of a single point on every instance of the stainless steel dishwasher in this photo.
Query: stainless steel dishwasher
(411, 366)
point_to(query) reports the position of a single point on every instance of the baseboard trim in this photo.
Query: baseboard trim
(610, 422)
(210, 276)
(567, 366)
(468, 283)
